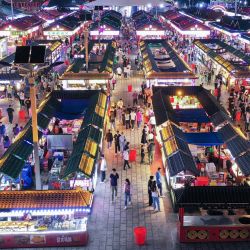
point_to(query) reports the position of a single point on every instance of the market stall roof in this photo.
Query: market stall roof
(47, 199)
(164, 110)
(143, 19)
(50, 14)
(204, 139)
(13, 160)
(68, 23)
(245, 37)
(179, 157)
(204, 14)
(213, 197)
(10, 77)
(192, 115)
(23, 24)
(105, 66)
(154, 67)
(217, 51)
(232, 24)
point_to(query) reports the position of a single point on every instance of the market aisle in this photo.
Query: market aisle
(110, 222)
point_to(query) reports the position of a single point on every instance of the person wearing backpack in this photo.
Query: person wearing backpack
(113, 183)
(127, 193)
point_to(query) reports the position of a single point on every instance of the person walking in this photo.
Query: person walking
(138, 118)
(109, 138)
(142, 154)
(155, 197)
(113, 183)
(16, 130)
(151, 149)
(103, 168)
(10, 112)
(127, 193)
(2, 131)
(117, 142)
(6, 141)
(133, 118)
(150, 184)
(122, 140)
(158, 180)
(126, 158)
(135, 98)
(28, 105)
(127, 120)
(144, 136)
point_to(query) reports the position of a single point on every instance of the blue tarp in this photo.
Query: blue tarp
(204, 139)
(191, 115)
(72, 109)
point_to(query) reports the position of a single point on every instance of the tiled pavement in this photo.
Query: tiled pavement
(111, 227)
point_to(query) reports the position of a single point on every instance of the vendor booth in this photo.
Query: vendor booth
(100, 67)
(199, 144)
(64, 117)
(215, 224)
(163, 66)
(44, 218)
(108, 27)
(186, 26)
(22, 28)
(146, 26)
(230, 63)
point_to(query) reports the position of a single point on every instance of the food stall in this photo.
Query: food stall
(100, 67)
(44, 218)
(146, 26)
(199, 144)
(186, 26)
(230, 63)
(71, 165)
(220, 201)
(163, 66)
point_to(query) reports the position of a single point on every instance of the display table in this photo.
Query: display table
(44, 218)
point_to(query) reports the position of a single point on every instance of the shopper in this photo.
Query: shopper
(155, 197)
(158, 180)
(109, 138)
(142, 154)
(135, 98)
(150, 185)
(10, 112)
(122, 140)
(16, 130)
(127, 193)
(103, 168)
(117, 142)
(139, 118)
(2, 131)
(151, 149)
(28, 105)
(127, 119)
(126, 158)
(113, 183)
(133, 119)
(6, 141)
(144, 136)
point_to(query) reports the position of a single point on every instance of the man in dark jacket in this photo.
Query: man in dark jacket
(117, 144)
(109, 138)
(150, 183)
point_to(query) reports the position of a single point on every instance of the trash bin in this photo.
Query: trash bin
(140, 234)
(130, 88)
(132, 155)
(22, 114)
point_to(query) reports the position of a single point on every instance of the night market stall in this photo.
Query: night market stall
(108, 27)
(200, 146)
(96, 73)
(147, 26)
(221, 58)
(163, 66)
(44, 218)
(64, 130)
(186, 26)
